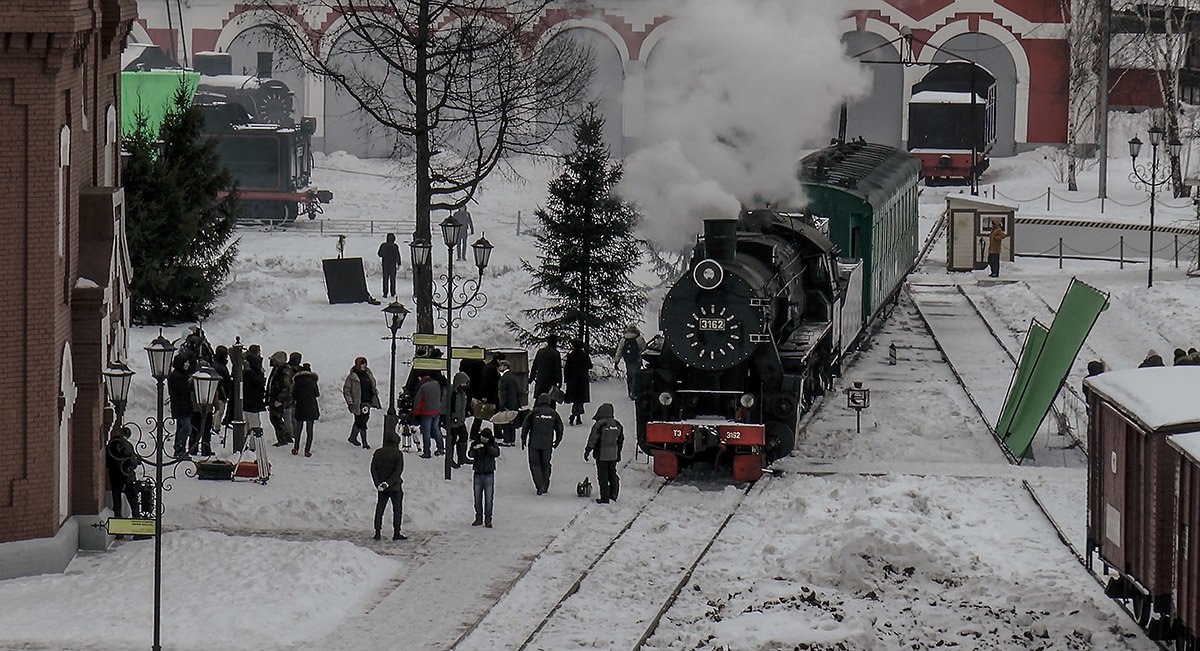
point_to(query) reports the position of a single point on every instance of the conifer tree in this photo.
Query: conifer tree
(178, 230)
(588, 252)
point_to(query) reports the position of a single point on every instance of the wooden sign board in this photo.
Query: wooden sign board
(130, 526)
(429, 363)
(429, 339)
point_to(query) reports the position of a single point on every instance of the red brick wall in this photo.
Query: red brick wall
(55, 49)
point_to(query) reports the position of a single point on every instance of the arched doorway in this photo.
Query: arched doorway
(878, 117)
(347, 127)
(990, 53)
(607, 88)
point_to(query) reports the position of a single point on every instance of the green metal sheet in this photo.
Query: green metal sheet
(1035, 339)
(151, 92)
(1080, 307)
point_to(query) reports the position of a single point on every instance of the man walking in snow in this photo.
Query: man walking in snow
(547, 370)
(484, 452)
(387, 469)
(463, 217)
(543, 431)
(389, 257)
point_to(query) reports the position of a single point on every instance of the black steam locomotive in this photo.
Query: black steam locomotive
(756, 329)
(251, 119)
(747, 342)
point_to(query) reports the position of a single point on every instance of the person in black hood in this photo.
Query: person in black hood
(543, 430)
(387, 470)
(605, 441)
(576, 374)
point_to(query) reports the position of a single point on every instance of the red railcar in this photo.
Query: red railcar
(1132, 472)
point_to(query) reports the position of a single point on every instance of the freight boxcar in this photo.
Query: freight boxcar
(1132, 471)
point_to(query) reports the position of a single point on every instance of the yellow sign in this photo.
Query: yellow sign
(132, 526)
(429, 339)
(473, 352)
(429, 363)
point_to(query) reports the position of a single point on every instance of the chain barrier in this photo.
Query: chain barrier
(1049, 193)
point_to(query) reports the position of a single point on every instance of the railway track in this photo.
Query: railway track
(642, 566)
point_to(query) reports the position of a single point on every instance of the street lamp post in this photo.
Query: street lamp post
(116, 382)
(468, 295)
(1138, 177)
(394, 315)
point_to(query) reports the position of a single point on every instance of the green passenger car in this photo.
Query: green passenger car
(868, 192)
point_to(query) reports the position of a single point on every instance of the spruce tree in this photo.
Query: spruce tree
(588, 252)
(178, 230)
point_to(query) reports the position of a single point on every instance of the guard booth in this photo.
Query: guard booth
(518, 364)
(969, 221)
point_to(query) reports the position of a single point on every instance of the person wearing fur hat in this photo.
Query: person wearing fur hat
(630, 351)
(306, 391)
(361, 393)
(1152, 359)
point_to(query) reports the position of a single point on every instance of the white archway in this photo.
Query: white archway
(1015, 52)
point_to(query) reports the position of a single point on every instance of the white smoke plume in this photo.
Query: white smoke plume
(737, 92)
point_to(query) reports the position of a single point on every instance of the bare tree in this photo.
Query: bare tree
(1161, 32)
(460, 83)
(1083, 20)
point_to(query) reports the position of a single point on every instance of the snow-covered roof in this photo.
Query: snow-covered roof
(1188, 444)
(1157, 397)
(944, 97)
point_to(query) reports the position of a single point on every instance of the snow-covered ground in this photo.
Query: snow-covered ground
(927, 538)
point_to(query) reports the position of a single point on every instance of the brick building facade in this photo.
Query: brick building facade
(1023, 43)
(64, 312)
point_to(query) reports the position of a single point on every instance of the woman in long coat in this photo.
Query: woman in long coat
(577, 378)
(306, 391)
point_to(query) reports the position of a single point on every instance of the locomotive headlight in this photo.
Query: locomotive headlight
(747, 400)
(665, 398)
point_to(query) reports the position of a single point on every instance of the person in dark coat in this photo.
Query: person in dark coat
(389, 256)
(361, 393)
(485, 395)
(463, 217)
(605, 442)
(222, 412)
(122, 463)
(484, 452)
(547, 369)
(1152, 359)
(427, 408)
(280, 400)
(630, 351)
(387, 470)
(456, 419)
(254, 390)
(542, 431)
(576, 375)
(509, 400)
(179, 388)
(295, 360)
(306, 390)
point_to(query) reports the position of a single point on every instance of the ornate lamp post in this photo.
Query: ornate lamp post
(1138, 177)
(116, 384)
(394, 315)
(468, 295)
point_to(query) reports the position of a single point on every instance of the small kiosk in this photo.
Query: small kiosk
(969, 221)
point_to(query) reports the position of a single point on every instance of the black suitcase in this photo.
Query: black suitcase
(214, 469)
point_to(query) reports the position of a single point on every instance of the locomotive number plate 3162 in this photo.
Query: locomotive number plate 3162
(712, 324)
